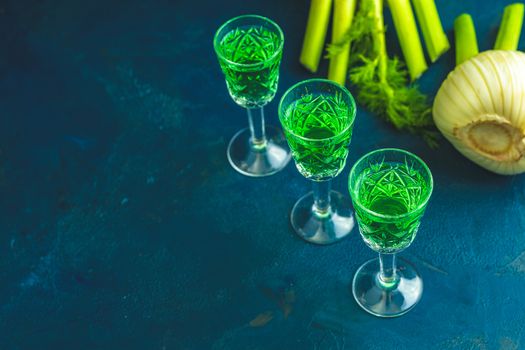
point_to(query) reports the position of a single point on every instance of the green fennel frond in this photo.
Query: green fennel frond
(405, 106)
(382, 83)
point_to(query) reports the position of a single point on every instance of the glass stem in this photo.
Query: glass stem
(321, 206)
(387, 275)
(256, 121)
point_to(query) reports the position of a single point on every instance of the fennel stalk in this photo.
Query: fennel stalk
(315, 34)
(343, 15)
(436, 40)
(466, 42)
(408, 36)
(510, 28)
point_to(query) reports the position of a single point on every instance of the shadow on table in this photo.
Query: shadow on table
(336, 322)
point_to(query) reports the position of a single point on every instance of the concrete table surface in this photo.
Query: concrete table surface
(122, 225)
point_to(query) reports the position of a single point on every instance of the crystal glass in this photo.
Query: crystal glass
(317, 116)
(390, 189)
(249, 49)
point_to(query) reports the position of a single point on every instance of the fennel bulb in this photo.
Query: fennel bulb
(480, 109)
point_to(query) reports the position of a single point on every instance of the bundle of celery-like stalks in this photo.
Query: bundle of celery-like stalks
(358, 50)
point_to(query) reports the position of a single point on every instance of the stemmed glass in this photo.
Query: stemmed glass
(249, 49)
(390, 189)
(317, 116)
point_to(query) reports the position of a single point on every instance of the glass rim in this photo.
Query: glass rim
(318, 80)
(386, 216)
(246, 65)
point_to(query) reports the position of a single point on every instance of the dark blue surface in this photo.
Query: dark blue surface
(122, 225)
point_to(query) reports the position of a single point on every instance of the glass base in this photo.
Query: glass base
(267, 160)
(327, 229)
(382, 302)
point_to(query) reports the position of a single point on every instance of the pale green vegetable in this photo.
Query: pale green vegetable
(510, 29)
(315, 34)
(465, 34)
(436, 40)
(480, 109)
(406, 30)
(343, 15)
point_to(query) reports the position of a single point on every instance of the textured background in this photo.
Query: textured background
(122, 225)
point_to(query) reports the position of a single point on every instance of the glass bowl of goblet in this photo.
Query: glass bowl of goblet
(318, 116)
(249, 49)
(390, 190)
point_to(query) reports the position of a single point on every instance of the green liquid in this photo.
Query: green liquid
(254, 85)
(390, 189)
(318, 133)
